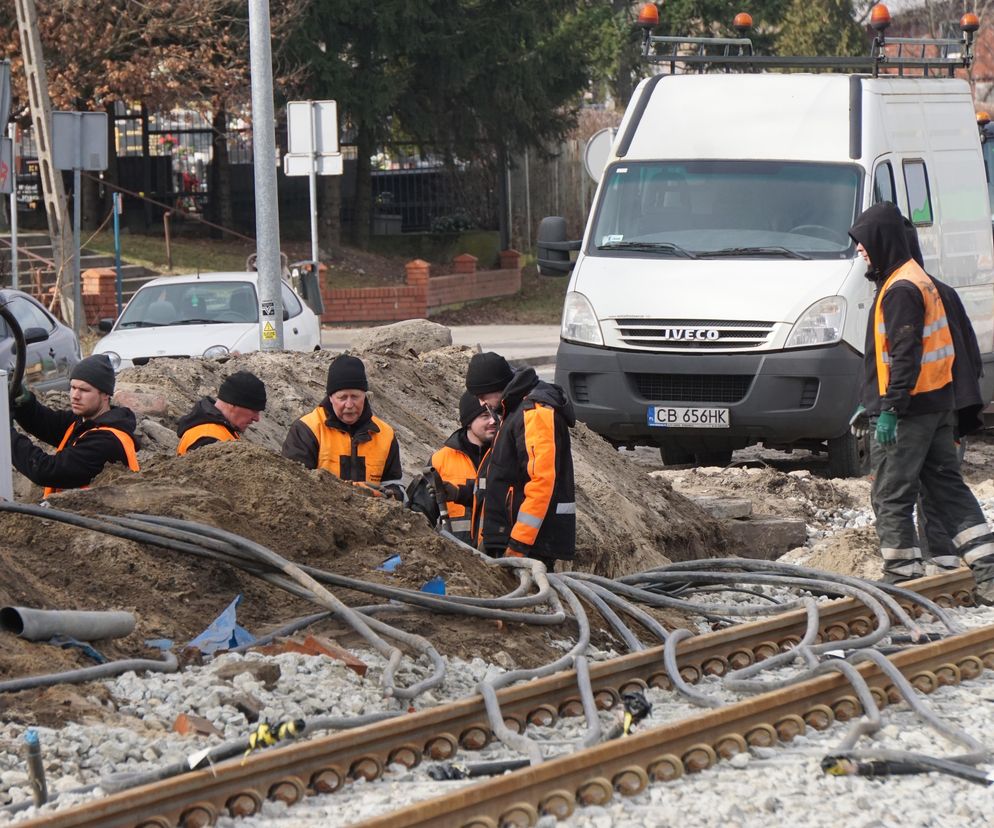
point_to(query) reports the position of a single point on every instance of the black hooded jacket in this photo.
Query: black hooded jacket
(881, 230)
(968, 367)
(83, 457)
(529, 501)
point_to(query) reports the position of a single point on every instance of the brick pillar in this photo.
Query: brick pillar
(99, 294)
(418, 272)
(510, 260)
(464, 263)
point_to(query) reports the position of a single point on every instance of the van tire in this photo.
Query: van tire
(848, 456)
(674, 454)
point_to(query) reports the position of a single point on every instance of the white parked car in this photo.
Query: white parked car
(207, 314)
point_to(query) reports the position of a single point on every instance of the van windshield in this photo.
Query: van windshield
(727, 209)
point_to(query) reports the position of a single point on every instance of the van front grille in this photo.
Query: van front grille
(692, 334)
(711, 388)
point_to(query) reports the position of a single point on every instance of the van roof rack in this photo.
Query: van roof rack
(889, 56)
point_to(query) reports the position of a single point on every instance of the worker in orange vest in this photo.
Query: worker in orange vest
(458, 461)
(344, 437)
(88, 437)
(908, 395)
(241, 399)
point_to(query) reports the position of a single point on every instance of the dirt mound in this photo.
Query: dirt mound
(626, 520)
(853, 552)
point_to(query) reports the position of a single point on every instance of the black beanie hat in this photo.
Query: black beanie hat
(487, 373)
(347, 372)
(244, 389)
(97, 371)
(469, 408)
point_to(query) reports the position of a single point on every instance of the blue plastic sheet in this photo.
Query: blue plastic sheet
(436, 585)
(223, 632)
(390, 564)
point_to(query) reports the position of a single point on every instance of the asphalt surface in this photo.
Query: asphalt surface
(520, 344)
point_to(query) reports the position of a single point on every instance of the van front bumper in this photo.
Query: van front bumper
(779, 398)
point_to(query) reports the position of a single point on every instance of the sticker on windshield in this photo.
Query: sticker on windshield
(612, 239)
(621, 170)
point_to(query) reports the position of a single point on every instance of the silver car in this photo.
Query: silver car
(50, 358)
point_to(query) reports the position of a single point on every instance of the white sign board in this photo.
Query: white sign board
(312, 127)
(79, 140)
(301, 164)
(6, 166)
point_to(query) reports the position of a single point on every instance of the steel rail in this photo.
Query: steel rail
(324, 764)
(626, 766)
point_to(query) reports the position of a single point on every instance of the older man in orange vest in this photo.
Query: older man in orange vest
(343, 436)
(87, 437)
(908, 394)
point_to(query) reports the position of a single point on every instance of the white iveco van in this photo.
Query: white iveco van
(717, 300)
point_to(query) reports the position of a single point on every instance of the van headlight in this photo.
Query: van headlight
(821, 324)
(216, 352)
(115, 359)
(579, 321)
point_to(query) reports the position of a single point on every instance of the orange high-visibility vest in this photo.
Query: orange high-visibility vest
(455, 467)
(127, 443)
(198, 432)
(334, 444)
(937, 340)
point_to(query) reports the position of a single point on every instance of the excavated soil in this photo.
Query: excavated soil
(627, 521)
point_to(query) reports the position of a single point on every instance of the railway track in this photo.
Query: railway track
(323, 765)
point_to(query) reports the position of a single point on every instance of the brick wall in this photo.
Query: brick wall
(423, 293)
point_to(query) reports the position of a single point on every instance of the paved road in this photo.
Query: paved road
(535, 344)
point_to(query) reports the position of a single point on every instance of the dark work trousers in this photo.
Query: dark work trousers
(925, 450)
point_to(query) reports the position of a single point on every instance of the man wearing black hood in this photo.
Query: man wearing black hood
(908, 394)
(343, 436)
(88, 437)
(529, 505)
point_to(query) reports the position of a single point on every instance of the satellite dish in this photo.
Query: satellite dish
(598, 151)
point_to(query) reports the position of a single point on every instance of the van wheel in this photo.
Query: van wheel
(848, 456)
(674, 454)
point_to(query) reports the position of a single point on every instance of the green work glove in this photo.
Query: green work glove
(859, 423)
(887, 428)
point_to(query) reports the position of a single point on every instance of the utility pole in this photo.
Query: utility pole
(53, 191)
(267, 214)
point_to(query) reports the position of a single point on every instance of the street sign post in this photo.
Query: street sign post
(312, 141)
(79, 142)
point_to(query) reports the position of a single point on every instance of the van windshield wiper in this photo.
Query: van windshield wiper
(773, 250)
(660, 247)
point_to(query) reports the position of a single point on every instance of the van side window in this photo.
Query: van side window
(883, 184)
(919, 198)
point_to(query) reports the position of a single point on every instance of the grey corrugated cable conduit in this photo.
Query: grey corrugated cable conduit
(673, 671)
(42, 625)
(488, 688)
(168, 664)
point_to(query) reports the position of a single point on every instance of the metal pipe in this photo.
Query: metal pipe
(41, 625)
(36, 767)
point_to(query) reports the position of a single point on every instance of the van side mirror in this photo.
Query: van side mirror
(553, 248)
(105, 325)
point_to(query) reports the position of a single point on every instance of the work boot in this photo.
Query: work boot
(983, 574)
